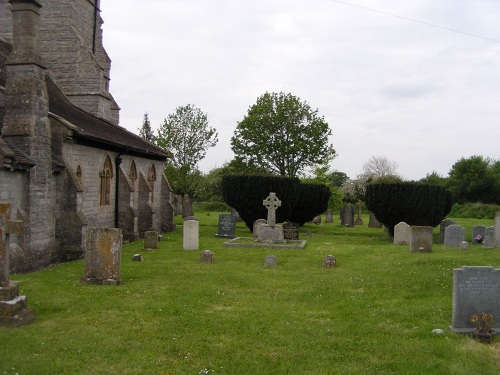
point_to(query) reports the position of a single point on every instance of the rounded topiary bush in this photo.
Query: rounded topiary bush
(245, 193)
(411, 202)
(313, 201)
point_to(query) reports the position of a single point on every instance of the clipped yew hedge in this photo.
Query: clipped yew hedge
(411, 202)
(313, 200)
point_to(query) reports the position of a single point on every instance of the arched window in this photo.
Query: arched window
(132, 174)
(151, 180)
(79, 174)
(105, 176)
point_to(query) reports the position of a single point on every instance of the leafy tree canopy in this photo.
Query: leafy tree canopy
(282, 135)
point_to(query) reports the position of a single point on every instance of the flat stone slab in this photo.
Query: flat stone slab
(250, 242)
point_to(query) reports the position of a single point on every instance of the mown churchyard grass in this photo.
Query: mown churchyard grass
(372, 314)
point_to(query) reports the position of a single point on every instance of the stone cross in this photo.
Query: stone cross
(7, 227)
(271, 203)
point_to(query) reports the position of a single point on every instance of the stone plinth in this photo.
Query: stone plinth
(271, 233)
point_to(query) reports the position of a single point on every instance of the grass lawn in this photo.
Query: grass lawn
(372, 314)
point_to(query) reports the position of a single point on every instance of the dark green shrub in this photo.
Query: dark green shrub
(474, 210)
(245, 193)
(313, 201)
(413, 203)
(213, 206)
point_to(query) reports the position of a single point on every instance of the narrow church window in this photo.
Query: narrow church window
(151, 180)
(79, 174)
(105, 189)
(133, 173)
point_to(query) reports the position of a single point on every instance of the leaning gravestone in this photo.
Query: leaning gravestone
(421, 239)
(489, 238)
(226, 227)
(478, 233)
(271, 232)
(442, 227)
(271, 261)
(329, 216)
(190, 233)
(402, 234)
(14, 311)
(256, 227)
(291, 231)
(475, 290)
(151, 239)
(103, 256)
(454, 235)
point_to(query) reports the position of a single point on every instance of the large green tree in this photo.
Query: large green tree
(283, 135)
(187, 135)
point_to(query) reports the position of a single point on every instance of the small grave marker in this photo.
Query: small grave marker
(207, 257)
(271, 261)
(329, 261)
(151, 240)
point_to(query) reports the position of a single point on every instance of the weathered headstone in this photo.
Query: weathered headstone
(347, 213)
(271, 261)
(190, 233)
(14, 311)
(151, 239)
(271, 232)
(187, 206)
(373, 222)
(291, 231)
(317, 220)
(489, 238)
(478, 232)
(497, 230)
(329, 261)
(103, 255)
(329, 216)
(256, 227)
(464, 245)
(442, 227)
(402, 234)
(453, 235)
(236, 215)
(227, 226)
(475, 290)
(421, 239)
(207, 256)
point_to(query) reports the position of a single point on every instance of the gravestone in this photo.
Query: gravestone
(190, 233)
(497, 230)
(291, 231)
(329, 216)
(489, 238)
(373, 222)
(464, 245)
(151, 239)
(453, 235)
(226, 227)
(402, 234)
(271, 232)
(347, 213)
(478, 233)
(207, 257)
(187, 206)
(137, 258)
(271, 261)
(421, 239)
(329, 261)
(256, 227)
(359, 220)
(317, 220)
(475, 290)
(103, 255)
(14, 311)
(445, 223)
(178, 208)
(236, 215)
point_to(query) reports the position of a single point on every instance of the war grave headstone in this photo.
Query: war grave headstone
(187, 206)
(14, 310)
(445, 223)
(475, 290)
(402, 234)
(329, 216)
(373, 222)
(478, 232)
(190, 233)
(150, 240)
(421, 239)
(103, 255)
(453, 235)
(291, 231)
(329, 261)
(497, 230)
(226, 227)
(489, 238)
(271, 232)
(256, 227)
(348, 215)
(271, 261)
(207, 257)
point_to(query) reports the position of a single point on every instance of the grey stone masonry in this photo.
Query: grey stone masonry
(454, 235)
(475, 290)
(271, 232)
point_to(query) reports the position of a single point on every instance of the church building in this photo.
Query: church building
(65, 162)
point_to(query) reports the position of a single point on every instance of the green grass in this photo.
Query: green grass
(372, 314)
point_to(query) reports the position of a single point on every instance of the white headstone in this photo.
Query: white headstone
(402, 234)
(190, 234)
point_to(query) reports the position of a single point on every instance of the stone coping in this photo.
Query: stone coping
(250, 242)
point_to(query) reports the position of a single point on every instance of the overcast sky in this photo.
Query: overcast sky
(387, 81)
